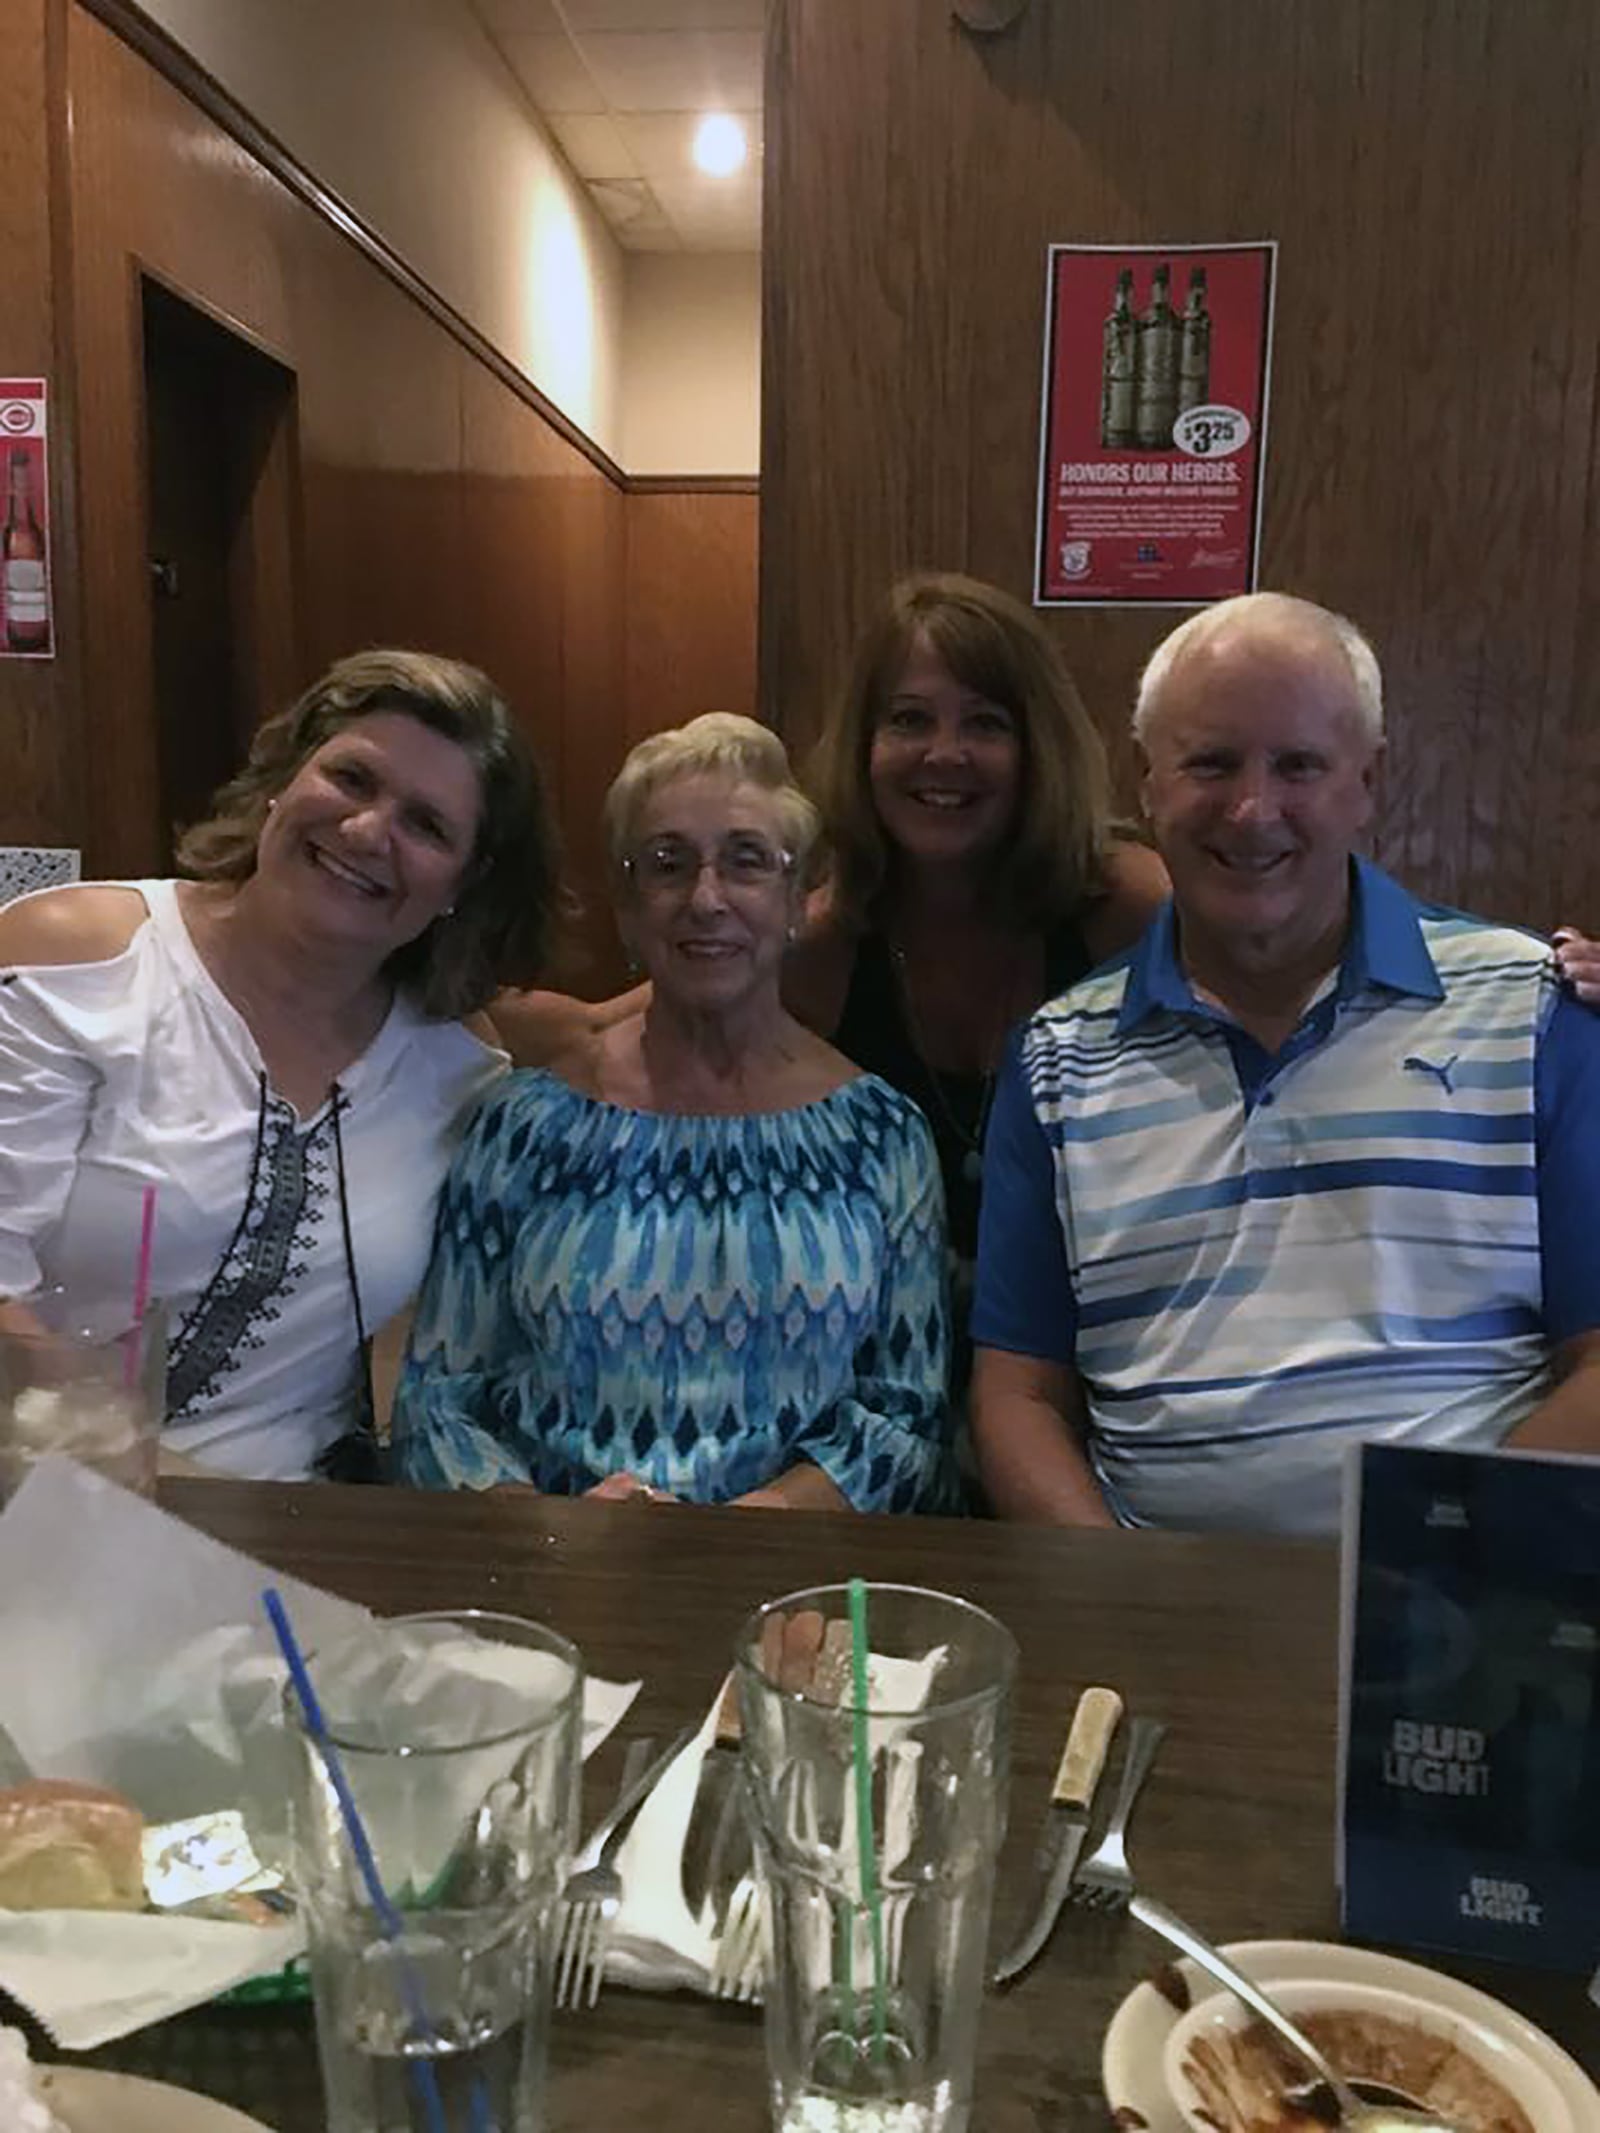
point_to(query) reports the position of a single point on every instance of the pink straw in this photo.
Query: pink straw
(141, 1282)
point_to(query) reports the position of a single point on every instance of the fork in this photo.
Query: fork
(738, 1966)
(593, 1894)
(736, 1963)
(1103, 1882)
(738, 1959)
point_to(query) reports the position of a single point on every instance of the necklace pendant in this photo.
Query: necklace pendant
(972, 1166)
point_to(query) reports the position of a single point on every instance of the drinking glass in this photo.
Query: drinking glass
(459, 1736)
(84, 1380)
(876, 1824)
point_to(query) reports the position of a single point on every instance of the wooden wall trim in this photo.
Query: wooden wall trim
(692, 484)
(185, 73)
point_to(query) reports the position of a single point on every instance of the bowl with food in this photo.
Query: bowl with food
(1228, 2073)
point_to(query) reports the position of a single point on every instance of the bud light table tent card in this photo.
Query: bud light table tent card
(1469, 1728)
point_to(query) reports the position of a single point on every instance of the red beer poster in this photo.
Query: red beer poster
(1154, 426)
(26, 630)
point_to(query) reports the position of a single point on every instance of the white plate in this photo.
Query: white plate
(1130, 2062)
(90, 2102)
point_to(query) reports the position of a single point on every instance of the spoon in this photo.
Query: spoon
(1364, 2106)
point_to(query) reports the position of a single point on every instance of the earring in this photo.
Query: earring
(271, 804)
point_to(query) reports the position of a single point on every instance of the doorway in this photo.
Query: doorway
(220, 468)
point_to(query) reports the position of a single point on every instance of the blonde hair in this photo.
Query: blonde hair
(717, 744)
(1288, 612)
(1052, 860)
(511, 898)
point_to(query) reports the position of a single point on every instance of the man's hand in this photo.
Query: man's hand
(1028, 1422)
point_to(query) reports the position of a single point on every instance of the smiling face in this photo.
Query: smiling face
(944, 764)
(1258, 780)
(711, 893)
(373, 834)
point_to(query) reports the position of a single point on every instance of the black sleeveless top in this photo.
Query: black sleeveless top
(873, 1031)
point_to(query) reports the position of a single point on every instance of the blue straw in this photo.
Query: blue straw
(421, 2071)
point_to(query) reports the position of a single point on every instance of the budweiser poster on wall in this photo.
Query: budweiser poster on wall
(1152, 435)
(27, 628)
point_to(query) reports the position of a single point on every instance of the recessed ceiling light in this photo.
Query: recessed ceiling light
(719, 144)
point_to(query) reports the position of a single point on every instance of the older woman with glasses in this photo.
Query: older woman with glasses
(699, 1255)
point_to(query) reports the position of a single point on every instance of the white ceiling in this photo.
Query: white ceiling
(621, 84)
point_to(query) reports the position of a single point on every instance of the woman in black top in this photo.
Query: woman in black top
(974, 868)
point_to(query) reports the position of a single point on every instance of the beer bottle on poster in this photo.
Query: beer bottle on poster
(1156, 383)
(1194, 346)
(22, 580)
(1117, 369)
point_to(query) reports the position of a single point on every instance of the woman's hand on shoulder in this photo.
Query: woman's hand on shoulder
(1578, 962)
(537, 1028)
(90, 923)
(1137, 884)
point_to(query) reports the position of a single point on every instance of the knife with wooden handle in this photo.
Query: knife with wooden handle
(1066, 1822)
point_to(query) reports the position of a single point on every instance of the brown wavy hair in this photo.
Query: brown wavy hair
(511, 899)
(1052, 861)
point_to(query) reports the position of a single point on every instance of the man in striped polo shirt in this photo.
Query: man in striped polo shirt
(1313, 1163)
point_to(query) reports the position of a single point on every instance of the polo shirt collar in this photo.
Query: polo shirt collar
(1156, 982)
(1385, 948)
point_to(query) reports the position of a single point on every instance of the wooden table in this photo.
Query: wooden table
(1233, 1643)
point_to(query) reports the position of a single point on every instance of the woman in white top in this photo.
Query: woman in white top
(276, 1045)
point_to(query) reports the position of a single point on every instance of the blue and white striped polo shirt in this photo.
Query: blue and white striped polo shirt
(1254, 1260)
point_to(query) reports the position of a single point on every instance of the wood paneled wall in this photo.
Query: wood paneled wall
(434, 505)
(1431, 172)
(40, 737)
(691, 606)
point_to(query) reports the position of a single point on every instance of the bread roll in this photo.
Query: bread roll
(69, 1847)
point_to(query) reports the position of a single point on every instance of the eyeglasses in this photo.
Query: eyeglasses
(672, 866)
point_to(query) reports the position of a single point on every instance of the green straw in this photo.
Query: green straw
(864, 1838)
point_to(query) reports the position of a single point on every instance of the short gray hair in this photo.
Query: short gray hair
(1304, 616)
(718, 743)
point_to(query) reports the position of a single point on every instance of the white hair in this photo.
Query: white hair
(717, 743)
(1303, 616)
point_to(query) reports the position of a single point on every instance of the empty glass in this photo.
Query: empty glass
(80, 1379)
(876, 1827)
(459, 1736)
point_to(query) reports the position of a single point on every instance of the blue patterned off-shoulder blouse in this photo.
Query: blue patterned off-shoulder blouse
(701, 1301)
